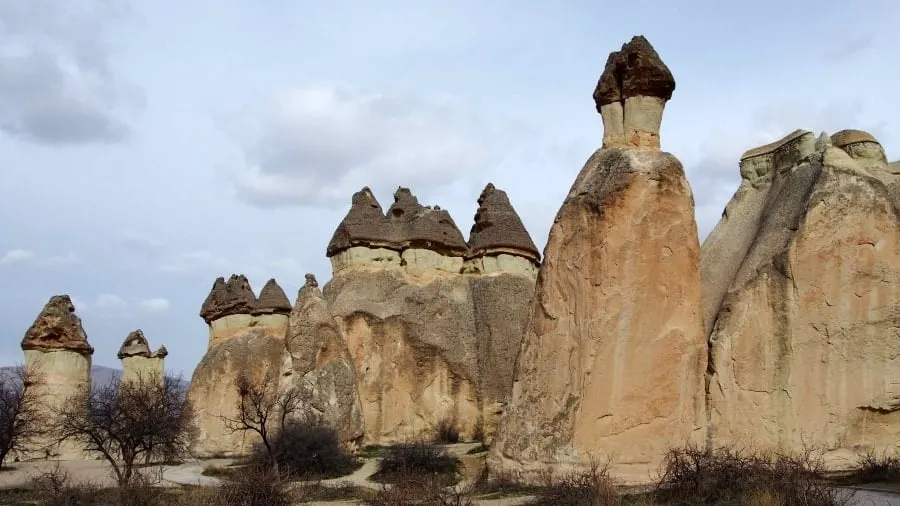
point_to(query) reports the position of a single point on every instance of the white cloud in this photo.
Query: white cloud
(155, 305)
(317, 145)
(106, 305)
(16, 256)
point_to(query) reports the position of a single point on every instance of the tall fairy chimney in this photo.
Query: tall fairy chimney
(137, 359)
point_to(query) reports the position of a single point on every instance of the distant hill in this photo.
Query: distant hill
(101, 375)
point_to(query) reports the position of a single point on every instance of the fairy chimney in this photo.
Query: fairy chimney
(631, 95)
(498, 240)
(138, 362)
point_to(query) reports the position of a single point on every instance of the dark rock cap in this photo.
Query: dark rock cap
(850, 136)
(408, 224)
(364, 225)
(635, 70)
(311, 280)
(162, 352)
(498, 227)
(57, 327)
(227, 298)
(272, 300)
(135, 344)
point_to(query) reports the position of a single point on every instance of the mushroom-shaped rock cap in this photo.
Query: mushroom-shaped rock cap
(57, 327)
(311, 280)
(364, 225)
(227, 298)
(272, 300)
(413, 225)
(135, 344)
(635, 70)
(162, 352)
(849, 136)
(498, 227)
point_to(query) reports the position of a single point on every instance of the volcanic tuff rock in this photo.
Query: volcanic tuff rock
(272, 300)
(138, 361)
(431, 341)
(319, 365)
(613, 357)
(805, 339)
(498, 227)
(136, 344)
(631, 94)
(228, 298)
(57, 327)
(57, 349)
(246, 336)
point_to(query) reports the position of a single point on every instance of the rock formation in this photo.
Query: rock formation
(232, 307)
(433, 326)
(246, 336)
(319, 365)
(613, 358)
(57, 349)
(138, 362)
(801, 286)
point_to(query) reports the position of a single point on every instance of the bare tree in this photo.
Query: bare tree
(263, 410)
(22, 424)
(121, 421)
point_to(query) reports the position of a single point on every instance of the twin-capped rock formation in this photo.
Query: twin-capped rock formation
(246, 336)
(613, 358)
(138, 362)
(802, 301)
(433, 323)
(57, 350)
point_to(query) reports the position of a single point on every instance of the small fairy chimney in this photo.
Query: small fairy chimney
(631, 95)
(137, 359)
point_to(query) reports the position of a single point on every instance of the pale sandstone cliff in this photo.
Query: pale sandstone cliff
(432, 324)
(57, 349)
(612, 362)
(319, 367)
(138, 362)
(246, 337)
(805, 342)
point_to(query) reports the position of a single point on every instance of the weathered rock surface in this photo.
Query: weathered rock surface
(805, 343)
(227, 298)
(246, 337)
(613, 358)
(253, 351)
(431, 340)
(320, 366)
(137, 359)
(57, 349)
(272, 300)
(57, 327)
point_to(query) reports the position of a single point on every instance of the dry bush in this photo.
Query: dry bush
(307, 450)
(593, 487)
(22, 423)
(257, 486)
(691, 476)
(419, 489)
(123, 422)
(500, 483)
(420, 460)
(873, 468)
(446, 432)
(55, 488)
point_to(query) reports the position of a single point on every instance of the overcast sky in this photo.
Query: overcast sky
(148, 147)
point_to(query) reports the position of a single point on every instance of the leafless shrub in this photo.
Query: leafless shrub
(22, 423)
(873, 468)
(593, 487)
(692, 476)
(123, 421)
(308, 450)
(419, 489)
(263, 410)
(403, 462)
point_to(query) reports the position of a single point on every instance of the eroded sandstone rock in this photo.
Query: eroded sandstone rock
(57, 350)
(805, 340)
(432, 341)
(320, 366)
(613, 358)
(232, 307)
